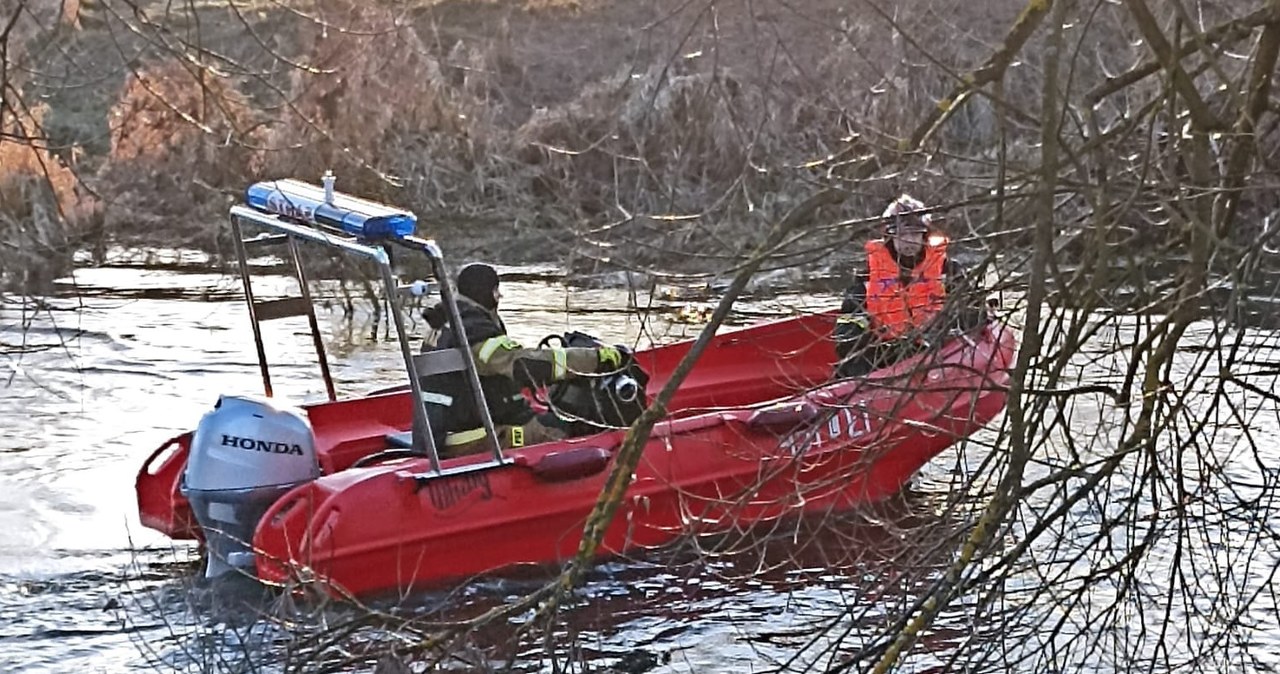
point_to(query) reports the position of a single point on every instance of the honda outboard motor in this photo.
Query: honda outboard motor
(246, 453)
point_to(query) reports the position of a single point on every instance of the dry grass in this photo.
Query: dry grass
(44, 204)
(652, 133)
(516, 125)
(373, 84)
(180, 137)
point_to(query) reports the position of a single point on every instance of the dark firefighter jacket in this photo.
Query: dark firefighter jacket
(505, 367)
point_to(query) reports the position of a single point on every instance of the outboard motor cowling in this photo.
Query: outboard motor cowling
(247, 452)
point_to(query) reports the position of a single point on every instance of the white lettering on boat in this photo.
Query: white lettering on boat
(256, 445)
(845, 424)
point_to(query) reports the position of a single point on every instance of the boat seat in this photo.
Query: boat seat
(427, 364)
(403, 440)
(439, 362)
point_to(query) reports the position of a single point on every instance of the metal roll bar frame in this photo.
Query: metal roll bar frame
(290, 231)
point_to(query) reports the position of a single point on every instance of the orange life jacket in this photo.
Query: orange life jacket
(896, 308)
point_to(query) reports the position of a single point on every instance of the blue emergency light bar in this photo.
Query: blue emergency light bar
(317, 205)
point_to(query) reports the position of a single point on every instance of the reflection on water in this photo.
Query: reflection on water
(729, 603)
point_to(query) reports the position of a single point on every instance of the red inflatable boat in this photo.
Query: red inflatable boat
(758, 430)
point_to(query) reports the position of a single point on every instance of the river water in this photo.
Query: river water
(96, 375)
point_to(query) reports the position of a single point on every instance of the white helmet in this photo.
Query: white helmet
(906, 213)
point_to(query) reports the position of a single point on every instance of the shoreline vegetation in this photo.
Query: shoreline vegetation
(595, 135)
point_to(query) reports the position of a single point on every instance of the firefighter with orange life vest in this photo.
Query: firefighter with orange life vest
(897, 304)
(505, 368)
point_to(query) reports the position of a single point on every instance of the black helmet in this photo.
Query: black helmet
(477, 281)
(906, 214)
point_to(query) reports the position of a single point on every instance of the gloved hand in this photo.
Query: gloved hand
(610, 358)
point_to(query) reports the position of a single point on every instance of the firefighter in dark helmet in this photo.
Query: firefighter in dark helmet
(505, 368)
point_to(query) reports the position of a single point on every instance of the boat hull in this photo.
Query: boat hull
(397, 527)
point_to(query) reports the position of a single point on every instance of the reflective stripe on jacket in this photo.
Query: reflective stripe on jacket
(450, 404)
(897, 308)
